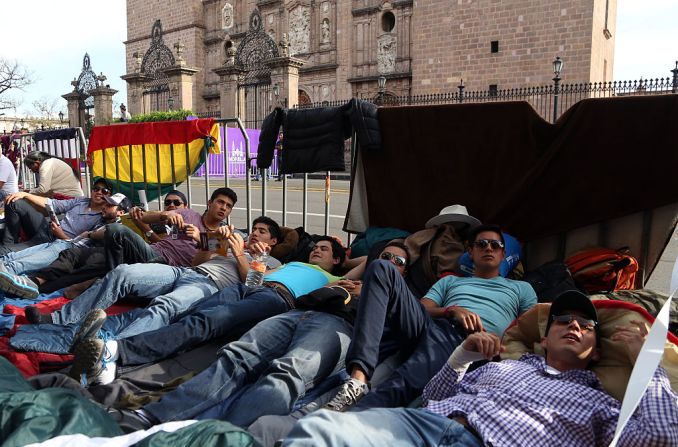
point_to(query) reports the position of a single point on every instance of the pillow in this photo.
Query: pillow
(290, 239)
(614, 368)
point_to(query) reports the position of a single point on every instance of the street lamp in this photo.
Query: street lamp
(170, 103)
(381, 84)
(22, 123)
(675, 78)
(557, 67)
(461, 90)
(61, 117)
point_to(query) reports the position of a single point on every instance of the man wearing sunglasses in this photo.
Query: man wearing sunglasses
(428, 328)
(174, 200)
(532, 401)
(47, 238)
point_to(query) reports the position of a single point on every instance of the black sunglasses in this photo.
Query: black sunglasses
(483, 243)
(177, 202)
(104, 191)
(584, 323)
(399, 261)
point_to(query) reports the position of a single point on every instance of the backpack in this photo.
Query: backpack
(550, 280)
(603, 269)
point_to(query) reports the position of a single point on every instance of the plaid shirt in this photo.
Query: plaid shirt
(518, 403)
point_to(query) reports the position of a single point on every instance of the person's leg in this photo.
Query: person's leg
(141, 280)
(379, 427)
(72, 267)
(239, 362)
(162, 310)
(407, 382)
(316, 351)
(124, 246)
(233, 310)
(34, 258)
(21, 214)
(385, 299)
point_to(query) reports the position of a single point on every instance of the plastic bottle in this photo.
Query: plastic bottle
(255, 275)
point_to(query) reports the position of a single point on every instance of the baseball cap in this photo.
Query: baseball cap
(119, 199)
(573, 300)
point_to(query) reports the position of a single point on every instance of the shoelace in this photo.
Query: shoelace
(346, 395)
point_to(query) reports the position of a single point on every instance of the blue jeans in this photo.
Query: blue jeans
(34, 258)
(379, 427)
(170, 291)
(281, 358)
(386, 301)
(232, 311)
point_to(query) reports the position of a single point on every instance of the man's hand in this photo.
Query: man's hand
(485, 343)
(351, 285)
(136, 214)
(236, 244)
(15, 196)
(224, 232)
(173, 218)
(632, 336)
(57, 231)
(192, 232)
(470, 321)
(259, 247)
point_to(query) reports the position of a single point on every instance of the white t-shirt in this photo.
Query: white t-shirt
(8, 175)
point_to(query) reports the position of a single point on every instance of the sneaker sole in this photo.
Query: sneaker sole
(94, 321)
(8, 284)
(88, 355)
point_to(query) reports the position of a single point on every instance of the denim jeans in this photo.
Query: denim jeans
(34, 258)
(170, 290)
(386, 301)
(124, 246)
(281, 358)
(379, 427)
(21, 214)
(231, 311)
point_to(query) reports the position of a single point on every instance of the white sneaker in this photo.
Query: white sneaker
(350, 392)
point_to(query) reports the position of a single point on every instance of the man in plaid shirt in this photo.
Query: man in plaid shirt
(531, 401)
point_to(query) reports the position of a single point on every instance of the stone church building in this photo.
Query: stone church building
(242, 57)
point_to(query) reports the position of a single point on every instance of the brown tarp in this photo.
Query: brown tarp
(603, 159)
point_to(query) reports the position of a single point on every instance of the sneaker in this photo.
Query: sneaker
(21, 286)
(350, 392)
(93, 363)
(93, 322)
(34, 316)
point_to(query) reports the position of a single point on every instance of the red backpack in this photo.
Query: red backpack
(603, 270)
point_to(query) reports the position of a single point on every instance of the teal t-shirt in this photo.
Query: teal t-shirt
(497, 301)
(301, 278)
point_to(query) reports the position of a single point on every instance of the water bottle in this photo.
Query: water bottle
(255, 275)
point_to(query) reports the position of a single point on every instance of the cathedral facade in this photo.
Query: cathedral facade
(222, 56)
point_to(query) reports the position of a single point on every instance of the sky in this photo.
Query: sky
(51, 38)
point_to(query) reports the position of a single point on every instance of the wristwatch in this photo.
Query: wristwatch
(149, 233)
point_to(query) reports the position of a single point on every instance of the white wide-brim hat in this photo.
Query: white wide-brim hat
(456, 214)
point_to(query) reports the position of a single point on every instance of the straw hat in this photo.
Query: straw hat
(457, 214)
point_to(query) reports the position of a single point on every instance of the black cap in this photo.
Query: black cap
(572, 300)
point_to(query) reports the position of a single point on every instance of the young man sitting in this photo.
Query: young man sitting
(531, 401)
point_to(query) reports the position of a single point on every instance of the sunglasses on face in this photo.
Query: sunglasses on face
(104, 191)
(584, 323)
(399, 261)
(483, 243)
(169, 202)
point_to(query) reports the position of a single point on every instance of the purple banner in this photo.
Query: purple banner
(233, 145)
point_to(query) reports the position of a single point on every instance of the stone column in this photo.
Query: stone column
(103, 105)
(181, 86)
(228, 90)
(76, 116)
(135, 87)
(285, 73)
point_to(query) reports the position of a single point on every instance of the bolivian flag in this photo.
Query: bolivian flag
(151, 156)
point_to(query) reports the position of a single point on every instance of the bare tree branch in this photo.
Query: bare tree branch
(13, 76)
(46, 107)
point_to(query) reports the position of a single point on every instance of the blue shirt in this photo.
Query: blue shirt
(78, 217)
(497, 301)
(301, 278)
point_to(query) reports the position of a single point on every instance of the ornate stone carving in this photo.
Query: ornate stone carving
(386, 53)
(284, 46)
(229, 52)
(300, 30)
(325, 31)
(137, 61)
(227, 16)
(179, 47)
(326, 7)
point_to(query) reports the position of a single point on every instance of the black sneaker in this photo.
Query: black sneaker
(92, 323)
(34, 316)
(130, 421)
(87, 360)
(350, 392)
